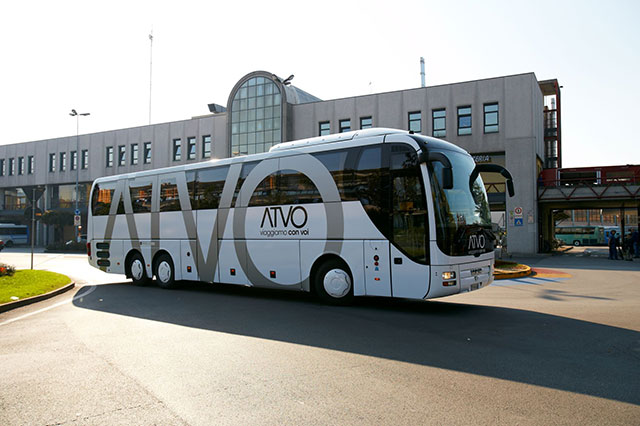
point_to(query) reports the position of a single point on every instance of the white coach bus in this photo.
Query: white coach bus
(377, 212)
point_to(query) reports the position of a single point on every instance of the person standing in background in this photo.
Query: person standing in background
(635, 237)
(613, 252)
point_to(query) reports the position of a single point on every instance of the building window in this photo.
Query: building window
(20, 165)
(85, 158)
(134, 154)
(147, 153)
(366, 122)
(256, 117)
(345, 125)
(206, 146)
(324, 128)
(177, 149)
(74, 160)
(439, 121)
(191, 148)
(415, 122)
(109, 156)
(2, 167)
(52, 162)
(12, 166)
(491, 118)
(31, 163)
(122, 150)
(63, 161)
(464, 120)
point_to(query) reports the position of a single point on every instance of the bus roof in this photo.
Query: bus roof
(336, 137)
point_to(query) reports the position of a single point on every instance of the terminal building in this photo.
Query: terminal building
(511, 120)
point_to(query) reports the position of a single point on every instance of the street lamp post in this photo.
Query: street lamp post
(77, 115)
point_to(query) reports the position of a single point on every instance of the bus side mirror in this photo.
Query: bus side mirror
(447, 178)
(492, 168)
(447, 173)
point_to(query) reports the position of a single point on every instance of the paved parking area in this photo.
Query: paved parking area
(559, 348)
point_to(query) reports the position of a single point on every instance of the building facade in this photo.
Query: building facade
(500, 120)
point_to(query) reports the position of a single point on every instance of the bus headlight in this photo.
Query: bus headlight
(449, 275)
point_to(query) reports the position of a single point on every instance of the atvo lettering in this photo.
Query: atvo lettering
(297, 216)
(476, 242)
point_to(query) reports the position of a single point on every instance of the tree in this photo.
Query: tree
(58, 219)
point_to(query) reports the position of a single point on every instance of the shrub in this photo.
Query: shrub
(7, 270)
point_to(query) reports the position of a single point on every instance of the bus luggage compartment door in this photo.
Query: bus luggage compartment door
(377, 275)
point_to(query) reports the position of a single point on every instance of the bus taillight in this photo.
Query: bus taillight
(89, 250)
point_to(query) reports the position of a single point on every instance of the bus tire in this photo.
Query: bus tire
(164, 271)
(136, 270)
(576, 243)
(9, 244)
(333, 283)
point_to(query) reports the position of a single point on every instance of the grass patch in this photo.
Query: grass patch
(28, 283)
(509, 266)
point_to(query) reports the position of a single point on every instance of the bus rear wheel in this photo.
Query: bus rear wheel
(164, 272)
(576, 243)
(137, 270)
(333, 283)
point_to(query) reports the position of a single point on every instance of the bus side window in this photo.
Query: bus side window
(140, 191)
(266, 193)
(371, 185)
(246, 169)
(169, 199)
(340, 164)
(296, 188)
(101, 199)
(208, 187)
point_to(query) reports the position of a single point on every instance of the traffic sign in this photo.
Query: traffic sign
(76, 220)
(77, 212)
(518, 211)
(518, 221)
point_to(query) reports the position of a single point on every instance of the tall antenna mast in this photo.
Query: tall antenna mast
(422, 79)
(150, 70)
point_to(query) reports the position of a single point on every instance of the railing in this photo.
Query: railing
(589, 188)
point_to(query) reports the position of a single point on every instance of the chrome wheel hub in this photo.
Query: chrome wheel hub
(337, 283)
(137, 270)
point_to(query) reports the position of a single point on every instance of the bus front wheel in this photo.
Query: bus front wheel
(164, 272)
(333, 283)
(137, 270)
(576, 243)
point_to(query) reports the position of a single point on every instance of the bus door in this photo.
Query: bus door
(410, 272)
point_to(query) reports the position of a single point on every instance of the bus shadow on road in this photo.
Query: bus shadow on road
(510, 344)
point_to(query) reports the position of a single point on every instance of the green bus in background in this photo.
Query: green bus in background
(581, 235)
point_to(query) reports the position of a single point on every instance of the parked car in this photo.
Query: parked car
(1, 245)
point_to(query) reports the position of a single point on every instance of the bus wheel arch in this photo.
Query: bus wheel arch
(164, 270)
(134, 268)
(331, 279)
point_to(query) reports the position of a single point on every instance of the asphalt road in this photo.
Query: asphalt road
(561, 348)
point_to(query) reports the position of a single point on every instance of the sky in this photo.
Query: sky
(95, 57)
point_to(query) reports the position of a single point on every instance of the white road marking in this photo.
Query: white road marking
(76, 297)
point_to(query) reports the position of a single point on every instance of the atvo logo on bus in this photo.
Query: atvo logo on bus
(477, 242)
(275, 217)
(298, 220)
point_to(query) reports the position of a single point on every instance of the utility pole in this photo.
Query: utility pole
(150, 70)
(77, 115)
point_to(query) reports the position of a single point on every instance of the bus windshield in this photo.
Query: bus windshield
(463, 219)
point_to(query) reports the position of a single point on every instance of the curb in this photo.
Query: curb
(503, 275)
(28, 301)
